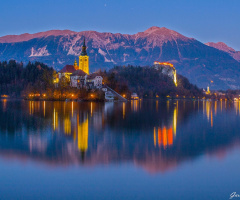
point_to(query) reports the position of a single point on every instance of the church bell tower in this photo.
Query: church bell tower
(84, 59)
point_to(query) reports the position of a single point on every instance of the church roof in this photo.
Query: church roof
(68, 69)
(93, 75)
(78, 73)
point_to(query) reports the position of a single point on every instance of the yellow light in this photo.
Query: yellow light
(154, 137)
(83, 136)
(72, 95)
(124, 95)
(91, 95)
(163, 63)
(44, 95)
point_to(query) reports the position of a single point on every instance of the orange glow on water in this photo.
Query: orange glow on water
(165, 136)
(159, 137)
(170, 137)
(154, 137)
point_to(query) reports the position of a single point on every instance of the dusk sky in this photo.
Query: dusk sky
(205, 20)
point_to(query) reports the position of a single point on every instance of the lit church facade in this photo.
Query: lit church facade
(78, 75)
(84, 59)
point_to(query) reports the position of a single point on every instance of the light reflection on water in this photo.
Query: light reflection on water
(158, 136)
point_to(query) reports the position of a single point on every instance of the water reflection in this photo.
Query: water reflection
(157, 135)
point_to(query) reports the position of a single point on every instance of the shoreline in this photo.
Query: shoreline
(100, 100)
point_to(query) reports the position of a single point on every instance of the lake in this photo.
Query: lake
(146, 149)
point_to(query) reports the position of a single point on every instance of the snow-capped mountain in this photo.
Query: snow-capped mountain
(193, 59)
(223, 47)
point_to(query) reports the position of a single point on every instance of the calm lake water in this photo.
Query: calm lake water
(134, 150)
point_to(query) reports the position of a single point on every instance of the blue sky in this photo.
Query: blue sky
(205, 20)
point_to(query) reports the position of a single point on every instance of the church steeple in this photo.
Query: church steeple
(84, 48)
(84, 59)
(75, 64)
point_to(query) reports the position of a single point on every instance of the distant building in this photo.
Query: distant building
(94, 80)
(134, 96)
(167, 69)
(78, 79)
(207, 91)
(109, 96)
(66, 72)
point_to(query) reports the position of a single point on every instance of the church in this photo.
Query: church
(78, 75)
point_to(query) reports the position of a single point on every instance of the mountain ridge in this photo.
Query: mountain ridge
(200, 63)
(224, 47)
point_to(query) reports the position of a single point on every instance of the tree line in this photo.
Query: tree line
(148, 82)
(17, 80)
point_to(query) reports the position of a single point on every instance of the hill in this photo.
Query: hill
(148, 82)
(223, 47)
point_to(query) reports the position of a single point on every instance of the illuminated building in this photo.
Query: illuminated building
(75, 65)
(84, 59)
(167, 69)
(78, 79)
(66, 72)
(134, 96)
(94, 80)
(208, 90)
(109, 96)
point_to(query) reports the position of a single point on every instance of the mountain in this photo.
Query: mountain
(223, 47)
(201, 64)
